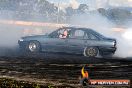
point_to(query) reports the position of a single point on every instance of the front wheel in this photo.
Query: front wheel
(91, 51)
(33, 46)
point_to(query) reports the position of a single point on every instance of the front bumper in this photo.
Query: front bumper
(22, 44)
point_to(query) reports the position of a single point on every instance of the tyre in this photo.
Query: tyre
(33, 46)
(91, 51)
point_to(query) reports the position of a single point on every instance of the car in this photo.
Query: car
(72, 40)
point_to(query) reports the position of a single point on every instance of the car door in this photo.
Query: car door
(76, 41)
(93, 39)
(53, 43)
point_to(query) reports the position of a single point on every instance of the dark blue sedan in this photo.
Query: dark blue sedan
(70, 40)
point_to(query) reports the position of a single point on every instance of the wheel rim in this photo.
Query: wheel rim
(91, 52)
(32, 47)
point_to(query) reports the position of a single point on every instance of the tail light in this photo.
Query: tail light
(114, 43)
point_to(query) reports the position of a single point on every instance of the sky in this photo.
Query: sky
(89, 1)
(74, 3)
(67, 1)
(95, 3)
(56, 1)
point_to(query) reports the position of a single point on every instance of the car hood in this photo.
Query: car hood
(35, 37)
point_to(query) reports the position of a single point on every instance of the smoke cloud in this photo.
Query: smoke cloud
(9, 36)
(74, 4)
(104, 26)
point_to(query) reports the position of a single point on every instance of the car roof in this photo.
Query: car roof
(77, 28)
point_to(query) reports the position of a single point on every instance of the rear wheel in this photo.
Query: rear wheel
(33, 46)
(91, 51)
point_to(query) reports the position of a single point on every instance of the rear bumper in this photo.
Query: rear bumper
(108, 50)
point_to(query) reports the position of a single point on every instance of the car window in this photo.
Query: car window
(64, 33)
(77, 34)
(57, 33)
(61, 31)
(54, 34)
(93, 37)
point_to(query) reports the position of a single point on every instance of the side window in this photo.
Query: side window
(92, 37)
(54, 34)
(64, 33)
(78, 34)
(57, 33)
(60, 33)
